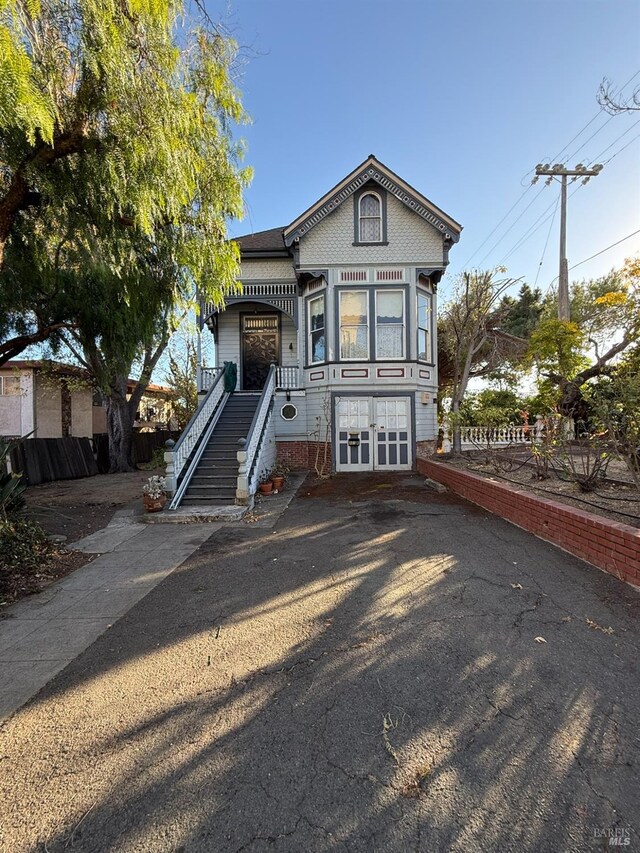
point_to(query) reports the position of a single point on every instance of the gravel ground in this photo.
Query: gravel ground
(386, 670)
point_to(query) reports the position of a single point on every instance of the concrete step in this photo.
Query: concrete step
(217, 482)
(220, 501)
(210, 495)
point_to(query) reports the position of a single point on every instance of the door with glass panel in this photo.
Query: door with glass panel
(392, 426)
(373, 433)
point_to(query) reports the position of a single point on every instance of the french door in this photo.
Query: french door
(373, 433)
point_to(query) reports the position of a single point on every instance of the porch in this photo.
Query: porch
(286, 378)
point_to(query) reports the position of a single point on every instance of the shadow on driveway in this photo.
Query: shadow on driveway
(364, 677)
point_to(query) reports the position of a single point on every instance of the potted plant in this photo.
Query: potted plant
(277, 478)
(266, 486)
(154, 496)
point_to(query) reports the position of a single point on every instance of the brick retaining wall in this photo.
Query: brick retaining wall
(609, 545)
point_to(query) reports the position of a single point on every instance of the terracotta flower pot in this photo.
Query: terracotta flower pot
(154, 504)
(266, 488)
(278, 483)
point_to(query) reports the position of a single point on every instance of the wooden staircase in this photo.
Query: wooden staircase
(215, 479)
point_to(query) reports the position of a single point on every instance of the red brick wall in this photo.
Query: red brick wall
(301, 455)
(609, 545)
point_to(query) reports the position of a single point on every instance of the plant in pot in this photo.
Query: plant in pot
(154, 496)
(266, 486)
(277, 478)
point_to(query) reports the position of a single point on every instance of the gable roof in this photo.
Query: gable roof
(373, 170)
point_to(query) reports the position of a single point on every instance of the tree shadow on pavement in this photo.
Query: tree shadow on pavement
(368, 676)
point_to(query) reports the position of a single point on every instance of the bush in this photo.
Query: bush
(23, 550)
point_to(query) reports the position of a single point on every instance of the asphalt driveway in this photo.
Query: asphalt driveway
(385, 670)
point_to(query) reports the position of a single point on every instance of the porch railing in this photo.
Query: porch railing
(501, 436)
(257, 453)
(177, 456)
(288, 378)
(208, 376)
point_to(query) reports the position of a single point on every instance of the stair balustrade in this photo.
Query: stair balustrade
(193, 438)
(256, 454)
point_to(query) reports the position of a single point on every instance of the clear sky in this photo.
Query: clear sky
(462, 99)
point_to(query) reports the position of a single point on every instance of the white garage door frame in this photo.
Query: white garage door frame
(384, 426)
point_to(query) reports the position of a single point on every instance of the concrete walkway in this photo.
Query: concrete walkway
(42, 634)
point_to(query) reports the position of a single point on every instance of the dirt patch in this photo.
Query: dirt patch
(58, 564)
(617, 501)
(76, 508)
(363, 486)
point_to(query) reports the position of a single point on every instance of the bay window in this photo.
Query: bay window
(317, 336)
(390, 335)
(354, 325)
(424, 327)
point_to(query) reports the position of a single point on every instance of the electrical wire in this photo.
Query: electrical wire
(553, 219)
(602, 251)
(513, 224)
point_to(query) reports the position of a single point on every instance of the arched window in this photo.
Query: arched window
(370, 216)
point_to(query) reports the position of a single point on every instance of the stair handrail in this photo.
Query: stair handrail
(250, 445)
(176, 458)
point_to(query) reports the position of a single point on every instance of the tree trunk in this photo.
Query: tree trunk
(456, 444)
(120, 431)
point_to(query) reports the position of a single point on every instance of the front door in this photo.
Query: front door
(260, 348)
(373, 434)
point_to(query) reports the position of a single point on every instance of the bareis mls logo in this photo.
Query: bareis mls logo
(617, 837)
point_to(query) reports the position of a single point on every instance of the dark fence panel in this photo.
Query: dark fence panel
(144, 444)
(44, 459)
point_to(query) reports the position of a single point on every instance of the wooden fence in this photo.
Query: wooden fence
(42, 460)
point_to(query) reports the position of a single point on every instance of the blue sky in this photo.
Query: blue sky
(461, 98)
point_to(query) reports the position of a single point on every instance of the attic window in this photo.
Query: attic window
(370, 218)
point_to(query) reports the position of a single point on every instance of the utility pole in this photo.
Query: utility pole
(559, 171)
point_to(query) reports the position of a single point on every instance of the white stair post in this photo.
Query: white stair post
(242, 487)
(170, 476)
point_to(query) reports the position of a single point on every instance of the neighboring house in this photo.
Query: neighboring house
(155, 410)
(47, 399)
(44, 399)
(343, 302)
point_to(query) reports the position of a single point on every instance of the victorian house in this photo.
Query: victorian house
(334, 341)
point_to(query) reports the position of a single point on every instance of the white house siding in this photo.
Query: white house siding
(82, 413)
(228, 347)
(17, 412)
(268, 269)
(411, 239)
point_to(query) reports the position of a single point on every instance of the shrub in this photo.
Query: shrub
(23, 550)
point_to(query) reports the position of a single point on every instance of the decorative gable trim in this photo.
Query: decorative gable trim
(373, 170)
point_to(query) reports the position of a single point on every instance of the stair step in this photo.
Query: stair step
(213, 482)
(211, 495)
(221, 501)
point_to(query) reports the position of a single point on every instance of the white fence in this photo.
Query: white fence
(475, 436)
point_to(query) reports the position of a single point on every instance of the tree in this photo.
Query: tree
(109, 237)
(605, 324)
(180, 375)
(471, 337)
(521, 315)
(113, 117)
(611, 101)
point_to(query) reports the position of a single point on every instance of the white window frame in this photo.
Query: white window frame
(3, 380)
(428, 296)
(361, 217)
(350, 325)
(317, 296)
(403, 325)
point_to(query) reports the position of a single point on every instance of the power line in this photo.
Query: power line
(602, 251)
(617, 139)
(555, 157)
(553, 218)
(513, 224)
